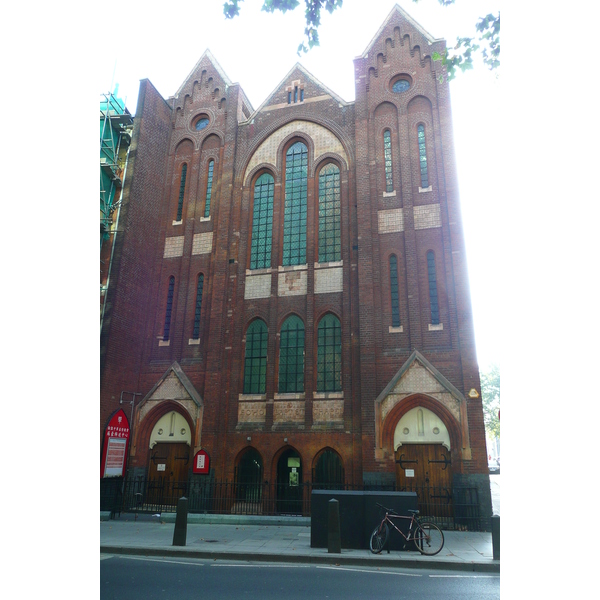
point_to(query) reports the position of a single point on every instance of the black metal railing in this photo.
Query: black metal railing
(457, 508)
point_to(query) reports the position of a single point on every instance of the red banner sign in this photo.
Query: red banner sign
(115, 446)
(201, 462)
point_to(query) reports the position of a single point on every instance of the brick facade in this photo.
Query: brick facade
(385, 371)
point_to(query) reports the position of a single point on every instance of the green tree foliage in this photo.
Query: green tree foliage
(490, 396)
(460, 57)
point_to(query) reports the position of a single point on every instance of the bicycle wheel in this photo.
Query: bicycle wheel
(428, 538)
(379, 538)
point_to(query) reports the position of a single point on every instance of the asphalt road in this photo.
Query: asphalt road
(143, 578)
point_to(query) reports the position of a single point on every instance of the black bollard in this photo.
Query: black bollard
(496, 536)
(334, 540)
(180, 531)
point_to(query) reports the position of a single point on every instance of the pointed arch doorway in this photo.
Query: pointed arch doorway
(424, 462)
(289, 483)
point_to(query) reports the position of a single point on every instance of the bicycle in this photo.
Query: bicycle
(427, 537)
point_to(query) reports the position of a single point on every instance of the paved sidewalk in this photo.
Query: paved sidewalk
(149, 536)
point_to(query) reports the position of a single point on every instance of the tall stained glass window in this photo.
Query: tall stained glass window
(422, 156)
(199, 291)
(255, 361)
(394, 291)
(167, 327)
(209, 182)
(262, 222)
(294, 219)
(329, 354)
(329, 214)
(433, 294)
(291, 356)
(181, 191)
(387, 157)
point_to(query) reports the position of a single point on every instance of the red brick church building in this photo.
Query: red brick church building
(289, 289)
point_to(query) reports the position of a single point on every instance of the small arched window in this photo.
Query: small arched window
(209, 183)
(387, 157)
(294, 218)
(167, 327)
(199, 291)
(262, 222)
(422, 156)
(433, 294)
(181, 191)
(291, 356)
(394, 291)
(255, 361)
(330, 248)
(329, 354)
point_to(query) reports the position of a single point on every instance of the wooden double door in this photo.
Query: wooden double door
(427, 470)
(168, 473)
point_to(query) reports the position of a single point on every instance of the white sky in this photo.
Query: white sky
(257, 50)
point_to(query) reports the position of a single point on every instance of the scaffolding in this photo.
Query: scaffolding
(116, 126)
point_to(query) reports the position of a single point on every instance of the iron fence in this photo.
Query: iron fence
(452, 509)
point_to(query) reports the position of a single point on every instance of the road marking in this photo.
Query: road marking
(259, 566)
(466, 576)
(371, 571)
(162, 560)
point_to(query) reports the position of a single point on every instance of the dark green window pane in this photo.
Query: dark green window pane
(167, 327)
(423, 156)
(255, 361)
(262, 222)
(294, 219)
(387, 155)
(199, 291)
(211, 165)
(329, 355)
(433, 294)
(329, 214)
(394, 291)
(181, 192)
(291, 356)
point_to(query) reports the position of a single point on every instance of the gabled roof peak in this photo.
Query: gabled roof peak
(397, 10)
(206, 54)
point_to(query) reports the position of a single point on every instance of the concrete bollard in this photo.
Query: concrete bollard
(334, 540)
(496, 536)
(180, 531)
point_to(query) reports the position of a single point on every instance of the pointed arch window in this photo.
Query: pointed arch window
(262, 222)
(433, 294)
(181, 191)
(422, 156)
(291, 356)
(167, 326)
(255, 361)
(329, 354)
(395, 298)
(209, 183)
(387, 157)
(294, 218)
(329, 214)
(199, 291)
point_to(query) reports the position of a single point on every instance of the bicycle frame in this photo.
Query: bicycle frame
(388, 517)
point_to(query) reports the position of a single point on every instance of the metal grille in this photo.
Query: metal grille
(329, 214)
(262, 222)
(209, 182)
(387, 155)
(294, 220)
(423, 156)
(291, 356)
